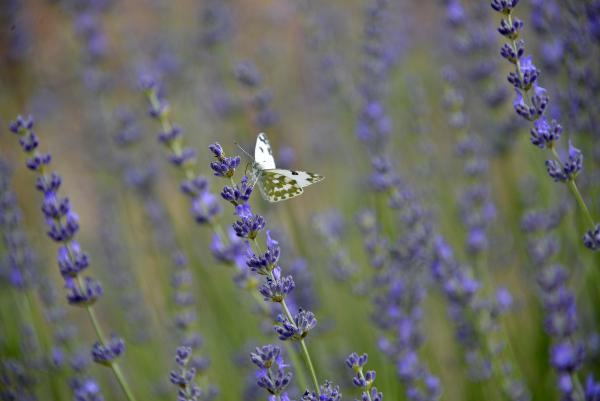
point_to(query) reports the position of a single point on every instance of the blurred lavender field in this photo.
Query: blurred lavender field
(454, 239)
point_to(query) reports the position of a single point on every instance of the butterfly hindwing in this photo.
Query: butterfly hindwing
(302, 178)
(276, 187)
(263, 154)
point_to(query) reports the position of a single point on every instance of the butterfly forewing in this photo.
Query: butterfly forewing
(276, 187)
(263, 154)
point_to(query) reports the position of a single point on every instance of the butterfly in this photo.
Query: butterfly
(277, 184)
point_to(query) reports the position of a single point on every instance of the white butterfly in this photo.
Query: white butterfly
(277, 184)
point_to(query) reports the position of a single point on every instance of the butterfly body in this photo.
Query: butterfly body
(277, 184)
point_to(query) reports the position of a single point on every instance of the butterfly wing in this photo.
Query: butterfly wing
(276, 187)
(302, 178)
(263, 154)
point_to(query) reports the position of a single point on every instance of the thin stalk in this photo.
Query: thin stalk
(573, 187)
(311, 368)
(113, 365)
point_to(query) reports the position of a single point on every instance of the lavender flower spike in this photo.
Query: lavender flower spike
(275, 287)
(63, 225)
(531, 102)
(272, 374)
(363, 380)
(184, 377)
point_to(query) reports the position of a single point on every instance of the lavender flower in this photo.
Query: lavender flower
(90, 32)
(561, 320)
(272, 374)
(224, 166)
(275, 287)
(216, 23)
(18, 267)
(260, 98)
(297, 328)
(249, 225)
(476, 207)
(63, 225)
(247, 74)
(62, 222)
(275, 290)
(86, 390)
(184, 377)
(16, 382)
(531, 102)
(182, 277)
(399, 279)
(106, 354)
(328, 392)
(204, 205)
(363, 380)
(331, 228)
(373, 126)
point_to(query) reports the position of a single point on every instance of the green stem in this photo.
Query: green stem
(299, 372)
(114, 365)
(581, 202)
(311, 368)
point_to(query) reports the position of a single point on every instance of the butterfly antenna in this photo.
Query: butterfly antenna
(243, 150)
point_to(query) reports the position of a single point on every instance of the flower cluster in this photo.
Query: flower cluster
(327, 392)
(62, 222)
(561, 321)
(531, 102)
(259, 103)
(476, 207)
(373, 125)
(17, 269)
(476, 319)
(63, 225)
(105, 354)
(363, 380)
(275, 286)
(184, 377)
(272, 374)
(204, 205)
(400, 270)
(171, 134)
(94, 41)
(474, 42)
(140, 176)
(331, 228)
(224, 166)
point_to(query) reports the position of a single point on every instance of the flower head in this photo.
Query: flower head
(105, 354)
(304, 321)
(272, 374)
(249, 224)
